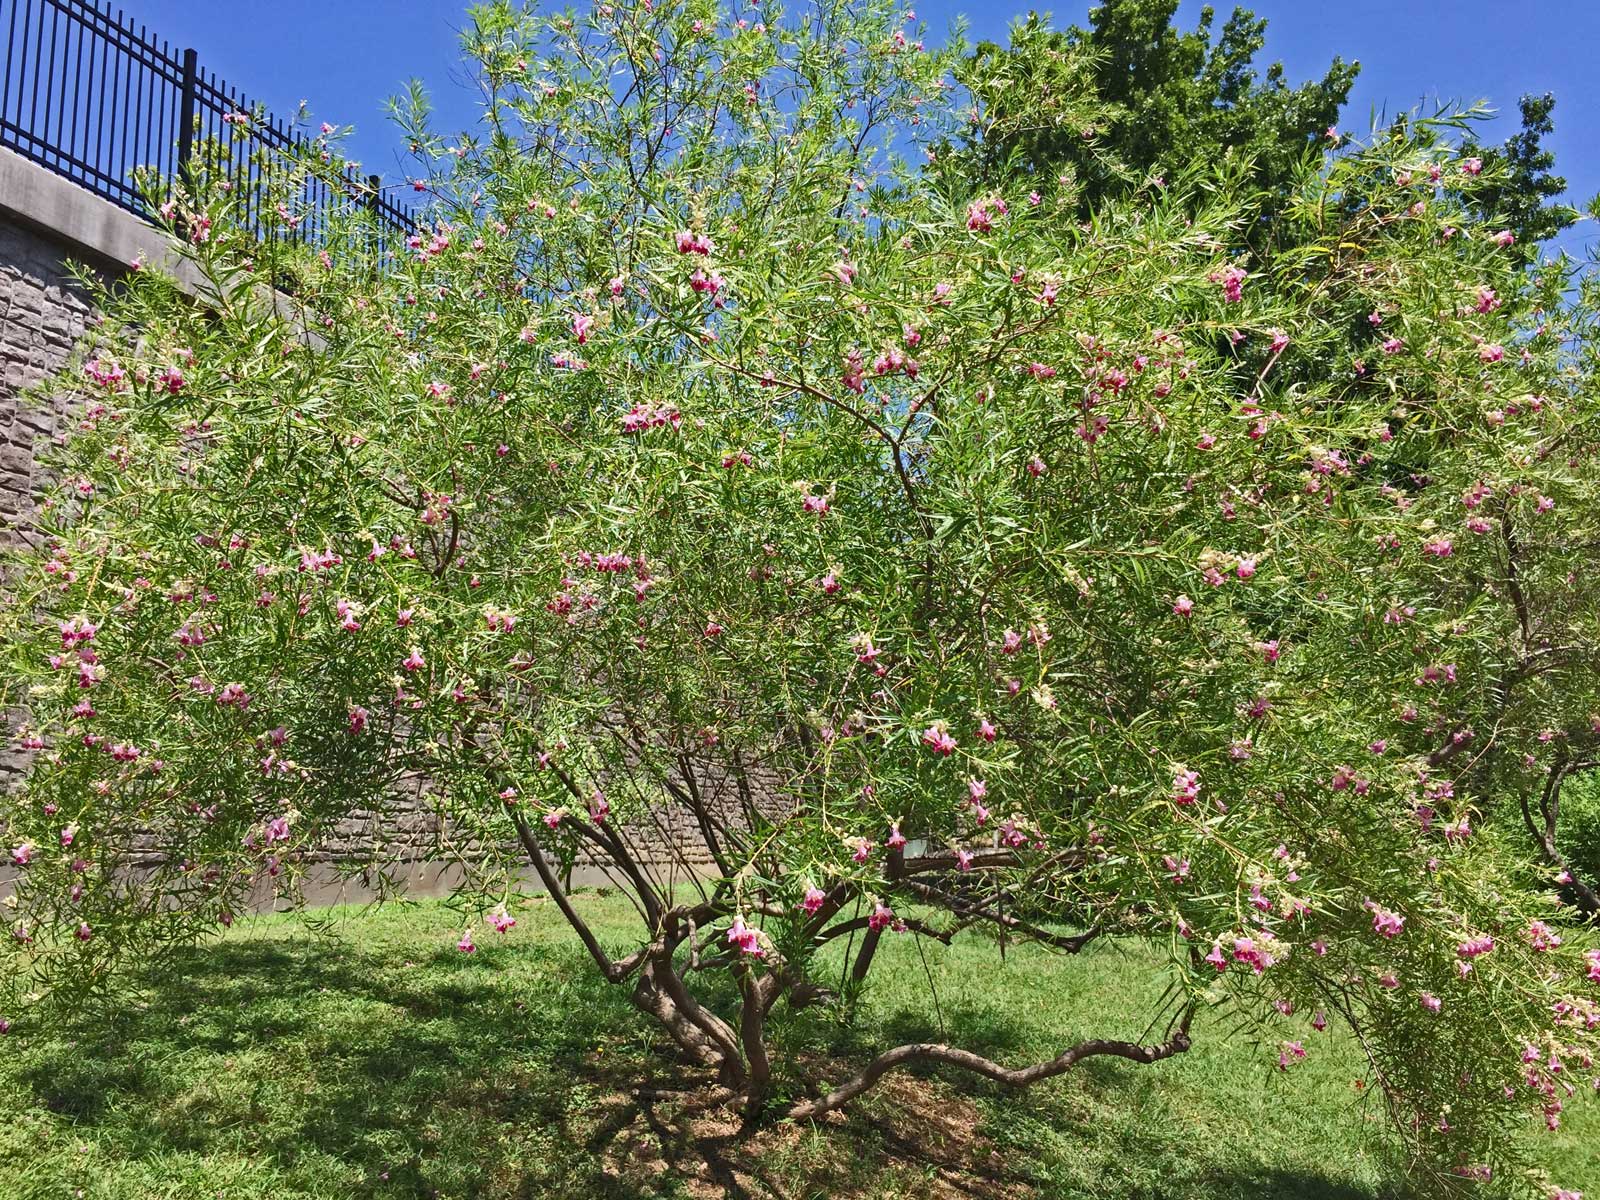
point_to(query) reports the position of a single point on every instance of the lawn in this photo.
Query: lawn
(375, 1060)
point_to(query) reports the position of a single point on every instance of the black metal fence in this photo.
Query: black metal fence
(94, 97)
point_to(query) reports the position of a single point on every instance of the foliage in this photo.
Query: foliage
(930, 558)
(1107, 110)
(1528, 182)
(1111, 108)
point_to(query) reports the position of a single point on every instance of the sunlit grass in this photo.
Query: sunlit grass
(381, 1062)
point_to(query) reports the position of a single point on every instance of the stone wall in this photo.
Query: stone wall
(43, 313)
(47, 221)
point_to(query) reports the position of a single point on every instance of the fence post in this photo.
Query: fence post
(186, 110)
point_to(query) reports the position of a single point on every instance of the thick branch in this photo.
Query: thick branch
(916, 1052)
(557, 893)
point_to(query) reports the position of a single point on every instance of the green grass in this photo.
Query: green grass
(381, 1062)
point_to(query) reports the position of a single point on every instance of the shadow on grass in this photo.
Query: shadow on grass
(514, 1073)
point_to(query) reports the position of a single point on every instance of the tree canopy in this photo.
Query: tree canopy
(943, 563)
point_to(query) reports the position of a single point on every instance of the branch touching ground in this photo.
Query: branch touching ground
(915, 1052)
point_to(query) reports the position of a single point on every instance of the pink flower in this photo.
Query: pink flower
(358, 718)
(1474, 946)
(1246, 568)
(814, 504)
(1491, 352)
(501, 920)
(745, 939)
(1280, 339)
(1232, 280)
(1292, 1052)
(1319, 1022)
(1541, 937)
(692, 243)
(1505, 238)
(1183, 606)
(813, 901)
(582, 323)
(896, 840)
(465, 945)
(1185, 786)
(1471, 166)
(986, 731)
(22, 855)
(413, 661)
(1393, 345)
(1430, 1002)
(882, 916)
(1385, 923)
(937, 738)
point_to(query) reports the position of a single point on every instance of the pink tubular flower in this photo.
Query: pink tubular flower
(413, 661)
(882, 917)
(1541, 937)
(937, 738)
(1231, 278)
(745, 939)
(582, 323)
(22, 855)
(813, 901)
(1384, 922)
(465, 945)
(1183, 606)
(986, 730)
(1185, 786)
(1430, 1002)
(501, 920)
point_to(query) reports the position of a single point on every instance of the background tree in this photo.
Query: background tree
(1110, 108)
(1132, 97)
(1527, 185)
(942, 567)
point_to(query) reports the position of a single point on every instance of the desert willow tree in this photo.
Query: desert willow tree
(704, 475)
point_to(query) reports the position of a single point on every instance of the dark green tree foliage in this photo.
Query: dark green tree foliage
(1521, 194)
(1160, 97)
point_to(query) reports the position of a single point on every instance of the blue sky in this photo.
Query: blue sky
(345, 56)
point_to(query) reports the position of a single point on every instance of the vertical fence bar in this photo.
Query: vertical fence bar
(191, 66)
